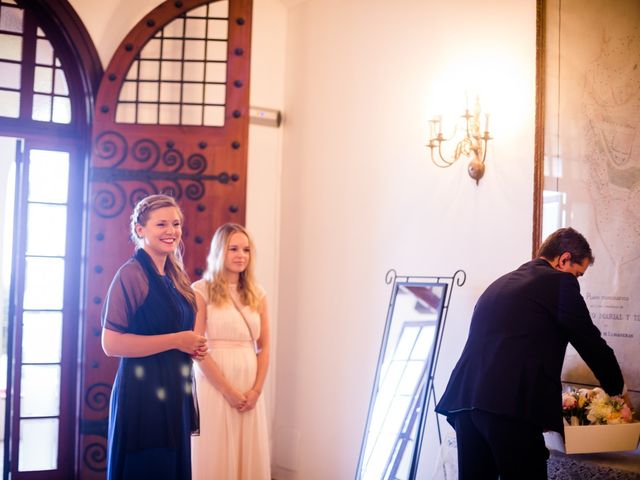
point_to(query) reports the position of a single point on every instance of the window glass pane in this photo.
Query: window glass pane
(9, 103)
(377, 457)
(10, 77)
(10, 47)
(38, 444)
(554, 209)
(404, 467)
(218, 29)
(132, 74)
(48, 176)
(219, 9)
(148, 92)
(169, 92)
(128, 91)
(61, 87)
(175, 28)
(192, 93)
(11, 19)
(147, 113)
(383, 439)
(44, 283)
(410, 378)
(393, 376)
(151, 50)
(61, 110)
(192, 115)
(41, 337)
(41, 108)
(46, 229)
(149, 70)
(40, 391)
(193, 72)
(171, 70)
(126, 113)
(7, 195)
(406, 342)
(423, 345)
(43, 79)
(172, 50)
(169, 115)
(44, 52)
(214, 116)
(216, 50)
(214, 94)
(196, 28)
(216, 72)
(397, 414)
(194, 49)
(7, 192)
(198, 12)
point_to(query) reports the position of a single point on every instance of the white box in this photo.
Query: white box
(595, 438)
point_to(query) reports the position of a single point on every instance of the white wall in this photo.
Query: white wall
(359, 196)
(109, 21)
(264, 165)
(344, 190)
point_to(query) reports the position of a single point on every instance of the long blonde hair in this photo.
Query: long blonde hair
(217, 284)
(174, 265)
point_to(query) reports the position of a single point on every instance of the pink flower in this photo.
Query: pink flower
(568, 401)
(626, 413)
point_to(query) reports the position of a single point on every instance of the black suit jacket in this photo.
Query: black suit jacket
(512, 361)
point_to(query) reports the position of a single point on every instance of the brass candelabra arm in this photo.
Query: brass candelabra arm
(439, 160)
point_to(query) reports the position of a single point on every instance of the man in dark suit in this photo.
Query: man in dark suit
(505, 389)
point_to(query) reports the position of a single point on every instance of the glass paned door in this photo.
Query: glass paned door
(48, 74)
(36, 249)
(8, 147)
(43, 299)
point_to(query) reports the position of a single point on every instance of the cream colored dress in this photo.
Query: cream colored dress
(231, 445)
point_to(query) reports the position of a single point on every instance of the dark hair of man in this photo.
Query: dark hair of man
(566, 240)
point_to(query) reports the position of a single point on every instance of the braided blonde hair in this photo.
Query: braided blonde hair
(174, 266)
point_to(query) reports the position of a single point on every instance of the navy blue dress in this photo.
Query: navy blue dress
(152, 411)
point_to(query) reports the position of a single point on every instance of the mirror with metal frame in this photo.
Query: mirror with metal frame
(404, 374)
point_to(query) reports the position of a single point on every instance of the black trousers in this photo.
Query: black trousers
(492, 446)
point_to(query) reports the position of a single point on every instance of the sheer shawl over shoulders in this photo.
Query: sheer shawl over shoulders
(128, 291)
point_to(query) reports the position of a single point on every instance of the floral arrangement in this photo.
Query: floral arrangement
(594, 407)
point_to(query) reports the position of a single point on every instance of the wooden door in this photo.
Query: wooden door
(171, 116)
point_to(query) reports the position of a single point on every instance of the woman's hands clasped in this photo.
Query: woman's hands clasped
(235, 398)
(192, 343)
(243, 402)
(251, 397)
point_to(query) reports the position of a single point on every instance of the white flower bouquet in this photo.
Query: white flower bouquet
(595, 422)
(594, 407)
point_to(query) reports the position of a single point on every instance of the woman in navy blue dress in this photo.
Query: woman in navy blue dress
(148, 320)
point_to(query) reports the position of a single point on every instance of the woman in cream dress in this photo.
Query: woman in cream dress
(232, 314)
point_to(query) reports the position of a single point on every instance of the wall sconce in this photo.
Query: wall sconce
(473, 145)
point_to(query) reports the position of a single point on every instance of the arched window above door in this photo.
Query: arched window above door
(49, 69)
(179, 76)
(33, 84)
